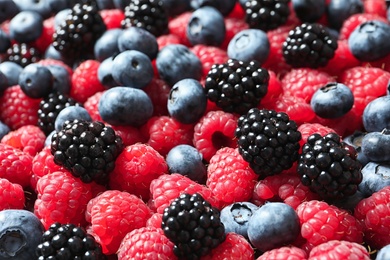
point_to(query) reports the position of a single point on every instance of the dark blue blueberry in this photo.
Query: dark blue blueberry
(176, 62)
(370, 40)
(61, 16)
(53, 53)
(355, 140)
(4, 129)
(3, 82)
(125, 106)
(11, 71)
(176, 7)
(235, 217)
(107, 45)
(26, 26)
(8, 9)
(5, 41)
(309, 10)
(376, 146)
(332, 101)
(36, 80)
(339, 10)
(20, 233)
(273, 225)
(61, 78)
(105, 73)
(71, 113)
(132, 69)
(223, 6)
(383, 253)
(376, 115)
(187, 101)
(41, 7)
(121, 4)
(139, 39)
(248, 45)
(206, 26)
(375, 177)
(348, 202)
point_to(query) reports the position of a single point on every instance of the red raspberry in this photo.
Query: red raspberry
(168, 187)
(373, 212)
(11, 195)
(29, 138)
(336, 250)
(307, 129)
(322, 222)
(155, 220)
(345, 125)
(92, 105)
(61, 198)
(230, 177)
(158, 91)
(233, 26)
(274, 90)
(209, 55)
(46, 37)
(167, 39)
(112, 18)
(17, 109)
(285, 252)
(355, 20)
(178, 27)
(214, 131)
(15, 165)
(238, 12)
(135, 168)
(129, 134)
(146, 243)
(85, 81)
(233, 247)
(112, 215)
(377, 7)
(287, 188)
(164, 133)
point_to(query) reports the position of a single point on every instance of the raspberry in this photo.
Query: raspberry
(168, 187)
(45, 39)
(167, 39)
(112, 18)
(61, 198)
(85, 81)
(282, 187)
(209, 55)
(237, 12)
(154, 220)
(229, 177)
(129, 176)
(15, 165)
(146, 243)
(307, 129)
(377, 7)
(274, 90)
(335, 250)
(354, 21)
(232, 26)
(11, 195)
(344, 125)
(92, 105)
(158, 91)
(17, 109)
(112, 215)
(129, 134)
(213, 131)
(178, 27)
(285, 252)
(373, 212)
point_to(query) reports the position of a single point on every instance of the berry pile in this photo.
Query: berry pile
(195, 129)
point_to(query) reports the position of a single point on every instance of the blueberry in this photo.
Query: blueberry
(309, 10)
(70, 113)
(176, 62)
(107, 44)
(383, 253)
(132, 68)
(105, 73)
(176, 7)
(8, 9)
(53, 53)
(61, 16)
(5, 41)
(125, 106)
(206, 26)
(188, 161)
(376, 146)
(248, 45)
(20, 233)
(187, 101)
(11, 71)
(235, 217)
(349, 202)
(4, 129)
(375, 177)
(36, 80)
(61, 78)
(26, 26)
(332, 101)
(339, 10)
(3, 82)
(273, 225)
(376, 115)
(139, 39)
(223, 6)
(41, 7)
(355, 140)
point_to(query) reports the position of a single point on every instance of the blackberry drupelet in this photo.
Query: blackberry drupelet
(237, 86)
(268, 140)
(49, 108)
(147, 14)
(77, 34)
(309, 45)
(68, 241)
(266, 14)
(22, 54)
(87, 149)
(329, 166)
(193, 225)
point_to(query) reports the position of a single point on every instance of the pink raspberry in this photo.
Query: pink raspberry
(307, 129)
(166, 39)
(11, 195)
(285, 252)
(274, 90)
(29, 138)
(178, 27)
(155, 220)
(129, 134)
(209, 55)
(339, 249)
(92, 105)
(158, 91)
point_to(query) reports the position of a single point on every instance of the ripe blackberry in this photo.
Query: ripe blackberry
(77, 34)
(68, 241)
(49, 108)
(22, 54)
(87, 149)
(329, 166)
(237, 86)
(309, 45)
(266, 14)
(268, 140)
(147, 14)
(193, 225)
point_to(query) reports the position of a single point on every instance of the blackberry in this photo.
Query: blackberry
(22, 54)
(147, 14)
(49, 108)
(193, 225)
(237, 86)
(266, 14)
(87, 149)
(309, 45)
(268, 140)
(68, 241)
(329, 166)
(77, 34)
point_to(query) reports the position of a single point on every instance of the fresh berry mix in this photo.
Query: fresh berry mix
(272, 114)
